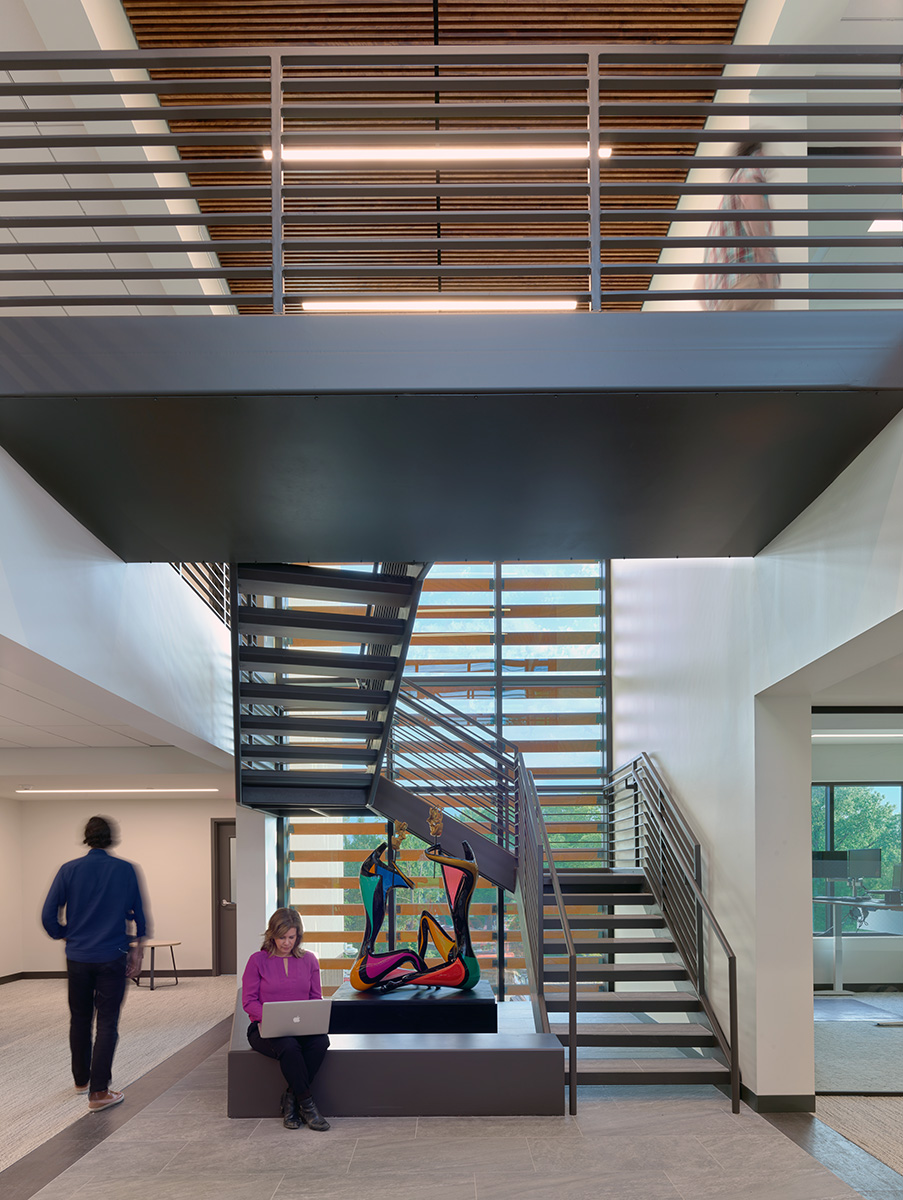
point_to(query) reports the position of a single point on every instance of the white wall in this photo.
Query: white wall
(857, 764)
(256, 878)
(715, 666)
(10, 888)
(132, 639)
(168, 839)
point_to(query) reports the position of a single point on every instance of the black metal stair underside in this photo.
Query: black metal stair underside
(317, 659)
(628, 1001)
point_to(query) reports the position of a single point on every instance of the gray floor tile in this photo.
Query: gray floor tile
(62, 1188)
(442, 1157)
(662, 1118)
(618, 1153)
(480, 1127)
(121, 1160)
(210, 1186)
(398, 1187)
(760, 1183)
(296, 1149)
(212, 1101)
(154, 1126)
(736, 1152)
(637, 1185)
(361, 1129)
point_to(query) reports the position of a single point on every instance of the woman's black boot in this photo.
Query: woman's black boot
(311, 1115)
(291, 1117)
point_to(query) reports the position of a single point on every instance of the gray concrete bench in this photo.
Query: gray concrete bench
(403, 1074)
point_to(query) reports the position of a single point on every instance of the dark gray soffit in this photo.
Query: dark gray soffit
(628, 435)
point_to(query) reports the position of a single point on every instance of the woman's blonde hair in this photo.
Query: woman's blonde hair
(282, 920)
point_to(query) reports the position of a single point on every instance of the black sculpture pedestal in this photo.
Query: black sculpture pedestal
(414, 1010)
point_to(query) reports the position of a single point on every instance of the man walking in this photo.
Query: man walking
(100, 894)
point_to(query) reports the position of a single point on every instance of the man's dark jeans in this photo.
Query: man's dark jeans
(94, 987)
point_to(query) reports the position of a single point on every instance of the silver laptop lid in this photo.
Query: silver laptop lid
(295, 1018)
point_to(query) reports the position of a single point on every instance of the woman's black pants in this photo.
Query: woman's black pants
(299, 1057)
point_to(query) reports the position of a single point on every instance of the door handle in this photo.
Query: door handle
(227, 903)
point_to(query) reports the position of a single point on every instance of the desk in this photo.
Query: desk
(152, 946)
(847, 902)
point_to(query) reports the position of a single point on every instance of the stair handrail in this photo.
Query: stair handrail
(457, 744)
(491, 743)
(671, 829)
(531, 873)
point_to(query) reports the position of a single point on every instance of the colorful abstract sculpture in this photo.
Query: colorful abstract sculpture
(458, 967)
(376, 881)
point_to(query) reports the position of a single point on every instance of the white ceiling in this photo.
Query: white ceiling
(48, 740)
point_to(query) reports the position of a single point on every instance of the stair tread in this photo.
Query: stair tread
(643, 1066)
(330, 752)
(640, 1030)
(323, 726)
(588, 1002)
(343, 666)
(589, 899)
(323, 697)
(616, 945)
(605, 972)
(287, 622)
(608, 921)
(321, 583)
(305, 779)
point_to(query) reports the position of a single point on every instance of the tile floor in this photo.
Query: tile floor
(624, 1144)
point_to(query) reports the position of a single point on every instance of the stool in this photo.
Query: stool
(152, 946)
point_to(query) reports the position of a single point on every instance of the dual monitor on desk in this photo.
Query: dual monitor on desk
(856, 865)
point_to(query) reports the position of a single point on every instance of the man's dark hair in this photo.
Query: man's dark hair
(98, 833)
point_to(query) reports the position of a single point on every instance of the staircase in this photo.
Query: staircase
(317, 660)
(618, 958)
(318, 655)
(621, 943)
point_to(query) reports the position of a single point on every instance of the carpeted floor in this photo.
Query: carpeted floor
(862, 1056)
(872, 1122)
(36, 1089)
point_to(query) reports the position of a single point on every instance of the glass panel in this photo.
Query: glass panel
(855, 817)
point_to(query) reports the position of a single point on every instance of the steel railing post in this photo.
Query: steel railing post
(276, 227)
(595, 203)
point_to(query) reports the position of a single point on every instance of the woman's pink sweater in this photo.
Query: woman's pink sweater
(269, 978)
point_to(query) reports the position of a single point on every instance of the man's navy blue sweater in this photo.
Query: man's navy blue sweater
(99, 893)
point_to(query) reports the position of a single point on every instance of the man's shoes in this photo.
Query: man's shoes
(82, 1089)
(291, 1117)
(100, 1100)
(312, 1117)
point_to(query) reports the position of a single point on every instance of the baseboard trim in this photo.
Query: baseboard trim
(772, 1104)
(11, 978)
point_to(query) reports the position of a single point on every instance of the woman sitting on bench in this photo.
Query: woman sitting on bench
(282, 970)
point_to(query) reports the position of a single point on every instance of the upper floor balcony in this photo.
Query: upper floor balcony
(585, 177)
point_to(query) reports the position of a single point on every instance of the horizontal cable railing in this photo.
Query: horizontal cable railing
(211, 582)
(601, 177)
(649, 832)
(439, 754)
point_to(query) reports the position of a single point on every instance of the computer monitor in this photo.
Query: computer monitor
(847, 864)
(865, 864)
(830, 864)
(897, 881)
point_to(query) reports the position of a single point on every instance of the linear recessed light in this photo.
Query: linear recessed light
(437, 306)
(886, 226)
(862, 733)
(30, 791)
(432, 154)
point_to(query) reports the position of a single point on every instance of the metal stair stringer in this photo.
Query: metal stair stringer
(397, 804)
(318, 655)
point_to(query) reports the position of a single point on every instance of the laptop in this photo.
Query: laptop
(295, 1018)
